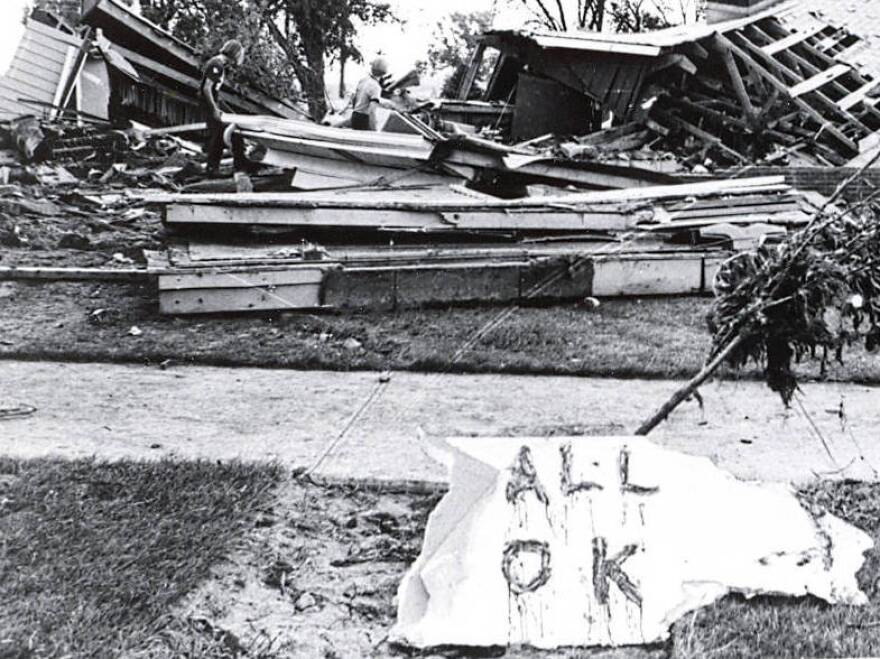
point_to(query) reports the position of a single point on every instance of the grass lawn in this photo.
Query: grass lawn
(625, 338)
(782, 627)
(92, 556)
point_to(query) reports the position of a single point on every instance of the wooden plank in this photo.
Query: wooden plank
(48, 45)
(316, 173)
(710, 188)
(297, 296)
(36, 72)
(12, 273)
(770, 209)
(55, 35)
(32, 88)
(730, 202)
(624, 277)
(290, 276)
(473, 68)
(793, 39)
(423, 286)
(426, 220)
(797, 218)
(859, 95)
(819, 80)
(305, 217)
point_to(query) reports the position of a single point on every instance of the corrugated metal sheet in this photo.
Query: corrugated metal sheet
(37, 70)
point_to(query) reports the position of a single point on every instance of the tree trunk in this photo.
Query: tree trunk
(314, 87)
(343, 59)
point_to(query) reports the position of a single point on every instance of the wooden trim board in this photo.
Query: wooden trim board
(391, 287)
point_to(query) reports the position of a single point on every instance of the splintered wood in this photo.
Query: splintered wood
(476, 248)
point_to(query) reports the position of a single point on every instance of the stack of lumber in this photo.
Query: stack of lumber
(439, 245)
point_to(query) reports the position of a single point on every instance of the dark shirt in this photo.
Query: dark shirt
(215, 71)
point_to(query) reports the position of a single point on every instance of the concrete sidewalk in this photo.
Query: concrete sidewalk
(120, 411)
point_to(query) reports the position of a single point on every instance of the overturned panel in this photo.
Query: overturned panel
(649, 275)
(587, 541)
(244, 290)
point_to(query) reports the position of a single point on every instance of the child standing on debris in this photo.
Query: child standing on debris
(213, 76)
(368, 92)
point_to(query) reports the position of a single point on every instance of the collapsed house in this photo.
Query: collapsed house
(761, 81)
(612, 178)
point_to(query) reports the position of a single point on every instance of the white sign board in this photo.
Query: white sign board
(588, 541)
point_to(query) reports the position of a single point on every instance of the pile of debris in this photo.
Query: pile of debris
(388, 248)
(584, 170)
(783, 86)
(69, 192)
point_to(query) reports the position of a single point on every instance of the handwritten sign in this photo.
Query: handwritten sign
(590, 541)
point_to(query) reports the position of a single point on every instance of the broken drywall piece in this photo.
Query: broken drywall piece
(589, 541)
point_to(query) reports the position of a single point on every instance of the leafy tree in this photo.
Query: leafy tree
(634, 16)
(311, 31)
(618, 15)
(207, 24)
(287, 40)
(455, 38)
(571, 15)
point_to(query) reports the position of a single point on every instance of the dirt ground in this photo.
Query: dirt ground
(318, 578)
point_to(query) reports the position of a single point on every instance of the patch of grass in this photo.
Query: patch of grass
(93, 555)
(646, 338)
(785, 627)
(649, 338)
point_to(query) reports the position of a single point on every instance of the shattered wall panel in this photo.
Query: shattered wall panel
(544, 106)
(37, 69)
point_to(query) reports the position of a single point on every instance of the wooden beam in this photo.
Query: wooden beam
(181, 78)
(819, 80)
(858, 96)
(701, 134)
(739, 86)
(76, 70)
(473, 69)
(368, 200)
(676, 60)
(12, 273)
(827, 127)
(793, 39)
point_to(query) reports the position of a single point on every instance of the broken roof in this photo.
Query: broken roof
(648, 44)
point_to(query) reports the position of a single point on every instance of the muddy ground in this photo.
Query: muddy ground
(318, 578)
